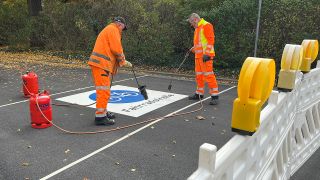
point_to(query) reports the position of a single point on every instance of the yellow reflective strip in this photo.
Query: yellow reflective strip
(202, 22)
(203, 39)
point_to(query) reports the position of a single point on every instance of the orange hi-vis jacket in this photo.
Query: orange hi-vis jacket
(204, 40)
(107, 53)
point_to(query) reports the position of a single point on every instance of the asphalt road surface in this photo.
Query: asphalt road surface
(166, 148)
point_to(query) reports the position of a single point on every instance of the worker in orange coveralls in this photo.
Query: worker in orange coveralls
(106, 57)
(204, 53)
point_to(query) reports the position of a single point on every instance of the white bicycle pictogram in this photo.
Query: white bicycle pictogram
(116, 97)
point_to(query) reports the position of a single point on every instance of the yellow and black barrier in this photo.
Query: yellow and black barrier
(290, 64)
(310, 53)
(255, 84)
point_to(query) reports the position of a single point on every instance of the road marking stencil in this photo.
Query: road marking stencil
(127, 100)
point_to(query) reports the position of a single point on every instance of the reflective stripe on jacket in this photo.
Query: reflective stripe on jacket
(204, 39)
(107, 53)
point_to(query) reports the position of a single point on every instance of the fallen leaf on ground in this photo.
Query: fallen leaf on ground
(200, 118)
(25, 164)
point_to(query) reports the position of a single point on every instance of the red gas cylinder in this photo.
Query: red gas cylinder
(40, 110)
(30, 84)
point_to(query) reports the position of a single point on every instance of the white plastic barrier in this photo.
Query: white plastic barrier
(288, 135)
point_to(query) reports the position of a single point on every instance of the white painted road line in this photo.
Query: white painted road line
(121, 139)
(68, 91)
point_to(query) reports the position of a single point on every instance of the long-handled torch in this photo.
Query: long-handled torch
(142, 89)
(185, 57)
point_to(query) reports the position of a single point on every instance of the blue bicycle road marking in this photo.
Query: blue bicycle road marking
(121, 96)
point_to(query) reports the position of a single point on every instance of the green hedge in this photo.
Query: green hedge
(14, 24)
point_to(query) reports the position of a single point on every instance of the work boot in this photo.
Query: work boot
(104, 121)
(214, 100)
(195, 97)
(110, 115)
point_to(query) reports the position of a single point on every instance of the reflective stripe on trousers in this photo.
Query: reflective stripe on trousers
(102, 84)
(101, 112)
(204, 73)
(213, 91)
(200, 91)
(102, 87)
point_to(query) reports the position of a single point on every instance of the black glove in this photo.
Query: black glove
(206, 58)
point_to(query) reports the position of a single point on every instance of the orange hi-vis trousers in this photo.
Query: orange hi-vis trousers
(204, 73)
(102, 82)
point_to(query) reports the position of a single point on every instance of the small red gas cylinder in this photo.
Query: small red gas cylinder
(30, 84)
(40, 110)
